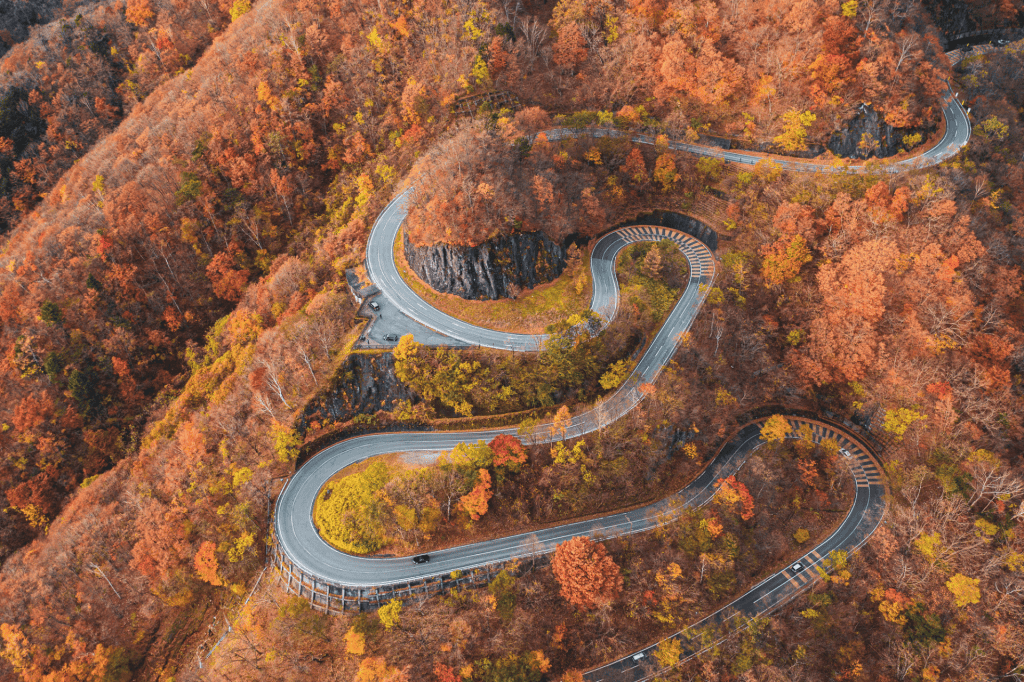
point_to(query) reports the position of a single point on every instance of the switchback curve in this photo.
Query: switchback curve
(307, 552)
(303, 547)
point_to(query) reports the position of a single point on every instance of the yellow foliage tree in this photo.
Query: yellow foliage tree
(783, 259)
(929, 545)
(965, 590)
(775, 429)
(665, 172)
(390, 614)
(899, 420)
(669, 652)
(355, 642)
(794, 130)
(286, 442)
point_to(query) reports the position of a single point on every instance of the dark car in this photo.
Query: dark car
(391, 337)
(375, 305)
(421, 559)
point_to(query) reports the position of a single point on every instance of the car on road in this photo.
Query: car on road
(797, 567)
(638, 657)
(375, 305)
(421, 558)
(844, 453)
(391, 337)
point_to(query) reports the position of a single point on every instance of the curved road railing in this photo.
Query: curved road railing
(308, 553)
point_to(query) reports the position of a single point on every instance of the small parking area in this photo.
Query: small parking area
(388, 324)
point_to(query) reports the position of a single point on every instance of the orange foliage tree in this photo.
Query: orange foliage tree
(731, 491)
(587, 575)
(206, 563)
(475, 501)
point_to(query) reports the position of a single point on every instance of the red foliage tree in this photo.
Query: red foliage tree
(508, 452)
(227, 280)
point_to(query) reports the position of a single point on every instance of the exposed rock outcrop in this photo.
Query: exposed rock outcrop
(846, 143)
(488, 271)
(364, 384)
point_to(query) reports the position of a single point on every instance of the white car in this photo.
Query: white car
(638, 657)
(797, 567)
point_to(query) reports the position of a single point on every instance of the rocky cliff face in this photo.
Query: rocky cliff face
(524, 260)
(364, 384)
(846, 142)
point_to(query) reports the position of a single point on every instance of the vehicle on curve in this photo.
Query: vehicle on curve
(421, 558)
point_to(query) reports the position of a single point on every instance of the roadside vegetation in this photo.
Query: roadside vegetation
(505, 487)
(182, 186)
(651, 277)
(787, 498)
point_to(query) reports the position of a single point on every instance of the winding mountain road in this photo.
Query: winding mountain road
(301, 545)
(956, 135)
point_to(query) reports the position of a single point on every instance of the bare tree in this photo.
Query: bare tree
(900, 659)
(906, 42)
(273, 380)
(512, 8)
(991, 481)
(534, 34)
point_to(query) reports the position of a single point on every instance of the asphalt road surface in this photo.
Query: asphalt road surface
(299, 540)
(297, 536)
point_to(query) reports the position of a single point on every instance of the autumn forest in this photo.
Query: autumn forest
(191, 314)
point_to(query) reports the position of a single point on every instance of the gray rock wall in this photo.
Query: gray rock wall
(364, 384)
(524, 259)
(843, 143)
(846, 142)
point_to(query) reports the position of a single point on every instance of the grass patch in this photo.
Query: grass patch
(531, 313)
(346, 511)
(651, 276)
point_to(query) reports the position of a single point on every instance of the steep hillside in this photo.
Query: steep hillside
(184, 184)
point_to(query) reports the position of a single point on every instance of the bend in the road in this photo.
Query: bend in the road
(299, 540)
(297, 535)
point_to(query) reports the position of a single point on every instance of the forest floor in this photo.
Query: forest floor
(531, 313)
